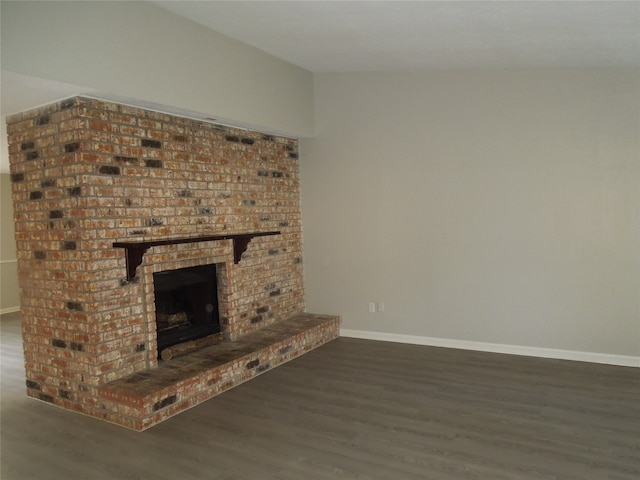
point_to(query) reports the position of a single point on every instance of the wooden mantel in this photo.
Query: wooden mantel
(134, 251)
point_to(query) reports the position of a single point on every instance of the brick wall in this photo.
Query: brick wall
(87, 173)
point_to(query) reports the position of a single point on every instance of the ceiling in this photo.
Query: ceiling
(340, 36)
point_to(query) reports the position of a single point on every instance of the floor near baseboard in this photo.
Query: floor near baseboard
(352, 409)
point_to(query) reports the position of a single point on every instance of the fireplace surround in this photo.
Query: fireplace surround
(107, 196)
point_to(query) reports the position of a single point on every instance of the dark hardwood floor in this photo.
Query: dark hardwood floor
(352, 409)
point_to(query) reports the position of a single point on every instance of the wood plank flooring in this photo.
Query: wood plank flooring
(352, 409)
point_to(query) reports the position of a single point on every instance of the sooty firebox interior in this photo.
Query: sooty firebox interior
(186, 302)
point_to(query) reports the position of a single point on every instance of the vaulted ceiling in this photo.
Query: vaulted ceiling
(339, 36)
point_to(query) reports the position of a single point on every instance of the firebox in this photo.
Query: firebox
(186, 302)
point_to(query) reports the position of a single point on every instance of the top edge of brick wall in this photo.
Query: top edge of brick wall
(115, 107)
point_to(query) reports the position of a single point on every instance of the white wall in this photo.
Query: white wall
(499, 207)
(9, 296)
(136, 50)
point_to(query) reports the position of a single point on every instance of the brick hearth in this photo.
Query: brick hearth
(146, 398)
(88, 173)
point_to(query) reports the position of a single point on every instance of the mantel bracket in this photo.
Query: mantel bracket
(134, 251)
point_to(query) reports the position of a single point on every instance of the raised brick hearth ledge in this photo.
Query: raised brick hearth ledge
(146, 398)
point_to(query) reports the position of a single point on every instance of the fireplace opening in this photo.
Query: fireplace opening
(186, 302)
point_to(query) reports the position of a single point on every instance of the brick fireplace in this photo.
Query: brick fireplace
(89, 174)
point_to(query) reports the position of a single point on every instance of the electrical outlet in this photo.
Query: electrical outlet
(372, 307)
(381, 306)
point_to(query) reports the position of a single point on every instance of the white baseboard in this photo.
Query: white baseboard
(621, 360)
(9, 310)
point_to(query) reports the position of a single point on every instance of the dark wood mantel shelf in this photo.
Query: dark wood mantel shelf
(134, 251)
